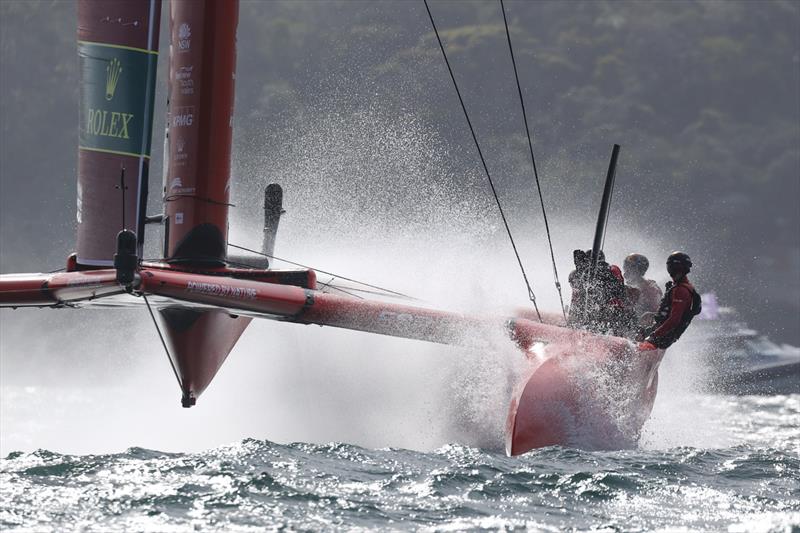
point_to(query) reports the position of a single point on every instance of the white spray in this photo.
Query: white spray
(370, 197)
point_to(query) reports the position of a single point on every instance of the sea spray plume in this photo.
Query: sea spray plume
(605, 397)
(363, 172)
(682, 415)
(365, 183)
(483, 375)
(369, 186)
(431, 234)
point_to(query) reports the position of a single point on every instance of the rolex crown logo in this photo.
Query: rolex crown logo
(113, 70)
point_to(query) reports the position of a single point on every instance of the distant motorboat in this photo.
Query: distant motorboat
(739, 359)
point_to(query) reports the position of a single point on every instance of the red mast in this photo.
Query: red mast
(202, 73)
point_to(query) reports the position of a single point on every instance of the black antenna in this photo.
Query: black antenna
(122, 187)
(602, 217)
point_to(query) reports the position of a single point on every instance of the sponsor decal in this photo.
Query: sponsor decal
(116, 100)
(178, 218)
(84, 281)
(184, 40)
(217, 289)
(176, 187)
(113, 71)
(185, 72)
(184, 78)
(180, 156)
(183, 117)
(105, 124)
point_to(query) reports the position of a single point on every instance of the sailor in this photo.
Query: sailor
(678, 307)
(643, 294)
(619, 319)
(598, 296)
(578, 279)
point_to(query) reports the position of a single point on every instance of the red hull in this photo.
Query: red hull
(593, 392)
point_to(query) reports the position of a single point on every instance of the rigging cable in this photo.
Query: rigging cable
(533, 161)
(122, 188)
(531, 296)
(163, 343)
(324, 272)
(336, 288)
(363, 291)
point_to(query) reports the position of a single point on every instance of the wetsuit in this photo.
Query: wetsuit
(678, 307)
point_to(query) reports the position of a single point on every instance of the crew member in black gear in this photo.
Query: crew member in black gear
(598, 296)
(679, 306)
(577, 280)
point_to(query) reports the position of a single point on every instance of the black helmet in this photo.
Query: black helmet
(679, 259)
(636, 263)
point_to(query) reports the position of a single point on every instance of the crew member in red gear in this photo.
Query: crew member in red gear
(678, 307)
(644, 294)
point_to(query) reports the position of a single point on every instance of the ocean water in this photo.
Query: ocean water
(751, 482)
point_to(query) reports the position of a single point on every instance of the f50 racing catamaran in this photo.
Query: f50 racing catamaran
(204, 302)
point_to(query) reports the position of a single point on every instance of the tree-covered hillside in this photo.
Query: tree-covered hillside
(703, 96)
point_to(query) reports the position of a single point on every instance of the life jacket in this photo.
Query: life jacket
(665, 309)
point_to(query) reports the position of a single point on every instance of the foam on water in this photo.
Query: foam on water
(254, 485)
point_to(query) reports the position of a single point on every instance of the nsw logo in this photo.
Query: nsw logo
(184, 34)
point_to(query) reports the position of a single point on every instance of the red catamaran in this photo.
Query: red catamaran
(204, 303)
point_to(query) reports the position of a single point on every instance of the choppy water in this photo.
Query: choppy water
(752, 484)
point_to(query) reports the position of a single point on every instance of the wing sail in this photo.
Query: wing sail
(118, 53)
